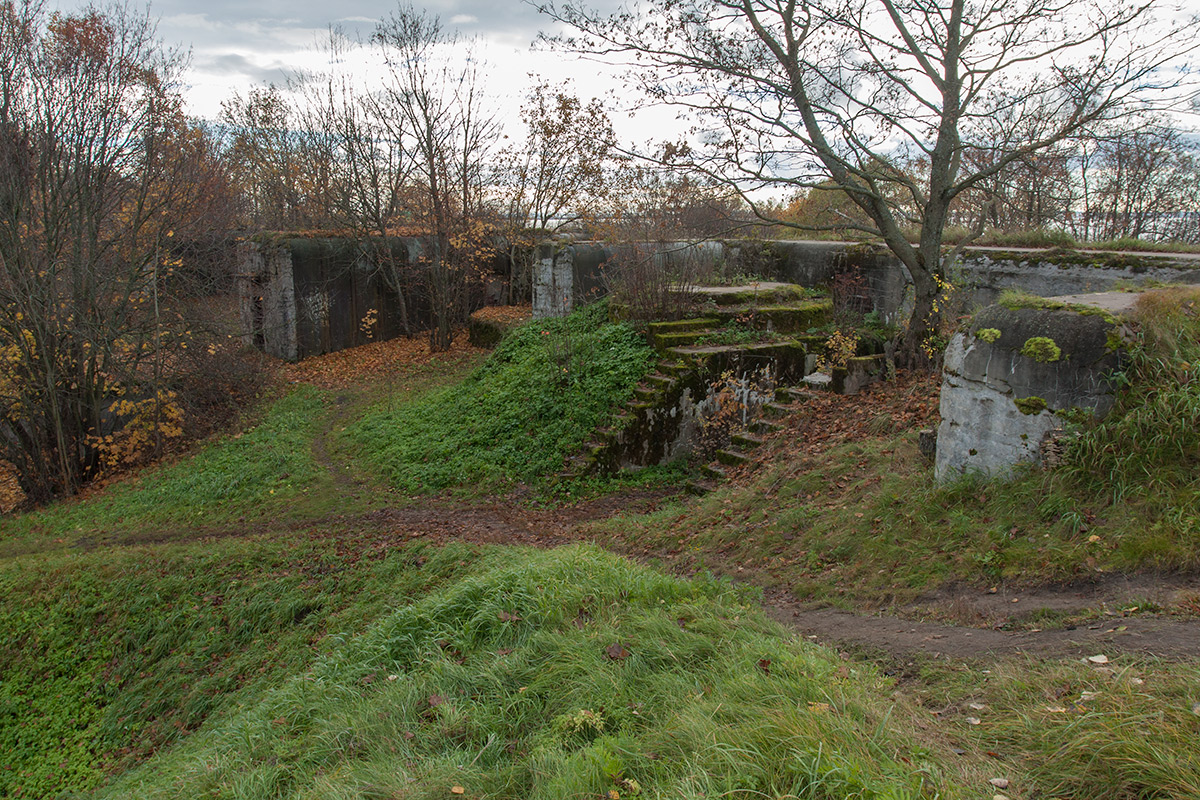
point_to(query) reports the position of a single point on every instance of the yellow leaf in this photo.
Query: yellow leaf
(457, 789)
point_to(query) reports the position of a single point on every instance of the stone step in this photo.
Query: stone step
(645, 393)
(793, 394)
(731, 457)
(761, 426)
(665, 342)
(775, 410)
(818, 382)
(681, 326)
(747, 441)
(715, 471)
(659, 381)
(786, 317)
(672, 367)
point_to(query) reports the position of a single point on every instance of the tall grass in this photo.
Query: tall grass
(565, 674)
(1067, 729)
(1150, 443)
(534, 401)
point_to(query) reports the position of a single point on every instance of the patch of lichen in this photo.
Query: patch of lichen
(1030, 406)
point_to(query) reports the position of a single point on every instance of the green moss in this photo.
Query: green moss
(988, 335)
(1041, 348)
(1030, 405)
(1014, 300)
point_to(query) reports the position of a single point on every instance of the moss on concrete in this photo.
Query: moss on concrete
(1041, 348)
(988, 335)
(1030, 406)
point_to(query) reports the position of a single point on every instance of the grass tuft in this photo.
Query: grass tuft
(1149, 443)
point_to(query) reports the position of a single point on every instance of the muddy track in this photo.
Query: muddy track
(506, 523)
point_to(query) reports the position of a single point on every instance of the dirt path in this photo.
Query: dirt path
(1149, 634)
(1127, 631)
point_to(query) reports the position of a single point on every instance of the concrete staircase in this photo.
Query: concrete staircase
(691, 357)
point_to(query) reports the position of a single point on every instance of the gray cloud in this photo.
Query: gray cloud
(236, 65)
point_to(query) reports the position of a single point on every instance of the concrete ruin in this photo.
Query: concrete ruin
(1014, 378)
(983, 273)
(300, 297)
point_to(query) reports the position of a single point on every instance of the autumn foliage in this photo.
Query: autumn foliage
(105, 188)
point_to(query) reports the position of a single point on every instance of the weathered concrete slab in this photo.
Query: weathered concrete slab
(1009, 378)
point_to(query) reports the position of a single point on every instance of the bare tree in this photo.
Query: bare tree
(791, 94)
(98, 172)
(355, 131)
(1141, 181)
(432, 104)
(557, 176)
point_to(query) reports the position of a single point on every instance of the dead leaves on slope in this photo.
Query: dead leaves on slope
(375, 362)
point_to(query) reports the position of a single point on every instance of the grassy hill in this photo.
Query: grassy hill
(291, 612)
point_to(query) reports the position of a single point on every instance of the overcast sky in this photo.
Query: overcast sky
(238, 44)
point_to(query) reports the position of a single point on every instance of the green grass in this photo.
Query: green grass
(533, 402)
(568, 673)
(270, 465)
(114, 654)
(1066, 729)
(868, 524)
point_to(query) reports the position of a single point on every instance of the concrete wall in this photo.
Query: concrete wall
(267, 296)
(568, 276)
(983, 274)
(303, 297)
(999, 402)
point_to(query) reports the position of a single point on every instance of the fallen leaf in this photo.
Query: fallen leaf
(1086, 696)
(765, 665)
(973, 720)
(507, 617)
(1098, 659)
(999, 783)
(617, 652)
(457, 790)
(1056, 709)
(977, 706)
